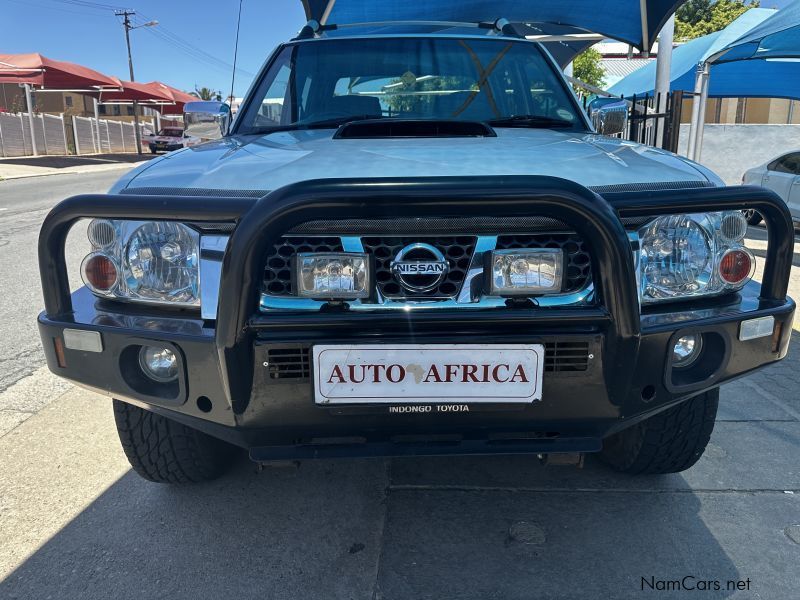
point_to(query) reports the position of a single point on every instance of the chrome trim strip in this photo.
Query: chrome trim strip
(484, 243)
(212, 251)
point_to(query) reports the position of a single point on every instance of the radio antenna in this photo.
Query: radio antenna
(236, 52)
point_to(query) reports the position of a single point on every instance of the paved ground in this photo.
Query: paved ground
(23, 205)
(76, 523)
(35, 166)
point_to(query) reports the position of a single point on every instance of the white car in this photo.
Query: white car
(782, 176)
(171, 138)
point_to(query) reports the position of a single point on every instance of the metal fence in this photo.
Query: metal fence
(651, 120)
(56, 137)
(102, 136)
(15, 134)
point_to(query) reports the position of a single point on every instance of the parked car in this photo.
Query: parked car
(782, 176)
(169, 139)
(412, 244)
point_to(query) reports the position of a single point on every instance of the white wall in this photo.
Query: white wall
(729, 150)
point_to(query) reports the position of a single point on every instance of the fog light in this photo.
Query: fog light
(686, 350)
(526, 272)
(328, 276)
(159, 364)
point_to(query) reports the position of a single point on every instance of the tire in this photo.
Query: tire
(752, 216)
(669, 442)
(165, 451)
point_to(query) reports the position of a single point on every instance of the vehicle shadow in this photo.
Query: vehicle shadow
(479, 527)
(64, 162)
(503, 527)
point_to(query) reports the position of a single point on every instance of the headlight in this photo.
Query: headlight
(687, 256)
(158, 261)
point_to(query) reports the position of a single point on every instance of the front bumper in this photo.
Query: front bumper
(227, 389)
(163, 147)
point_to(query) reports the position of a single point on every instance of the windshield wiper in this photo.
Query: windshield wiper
(530, 121)
(334, 123)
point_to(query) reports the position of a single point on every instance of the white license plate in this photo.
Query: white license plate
(431, 373)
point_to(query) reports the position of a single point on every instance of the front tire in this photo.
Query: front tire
(669, 442)
(165, 451)
(753, 217)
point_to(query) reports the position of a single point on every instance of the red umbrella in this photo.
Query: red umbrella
(43, 72)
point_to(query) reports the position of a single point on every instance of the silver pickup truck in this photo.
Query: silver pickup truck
(413, 243)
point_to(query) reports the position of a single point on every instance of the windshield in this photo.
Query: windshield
(171, 132)
(330, 82)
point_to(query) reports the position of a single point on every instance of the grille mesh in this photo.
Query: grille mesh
(294, 362)
(278, 268)
(577, 262)
(457, 250)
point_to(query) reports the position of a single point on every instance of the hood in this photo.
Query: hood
(267, 162)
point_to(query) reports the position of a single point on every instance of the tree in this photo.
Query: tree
(697, 18)
(205, 93)
(587, 68)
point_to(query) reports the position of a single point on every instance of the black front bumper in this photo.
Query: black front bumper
(228, 389)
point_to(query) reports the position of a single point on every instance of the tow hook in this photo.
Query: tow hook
(562, 459)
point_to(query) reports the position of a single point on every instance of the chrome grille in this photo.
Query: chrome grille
(577, 261)
(293, 363)
(457, 251)
(278, 267)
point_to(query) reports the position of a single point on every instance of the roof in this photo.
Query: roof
(619, 68)
(775, 37)
(723, 82)
(633, 21)
(43, 72)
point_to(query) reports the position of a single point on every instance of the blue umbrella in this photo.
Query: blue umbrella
(636, 22)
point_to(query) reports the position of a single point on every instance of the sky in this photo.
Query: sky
(193, 45)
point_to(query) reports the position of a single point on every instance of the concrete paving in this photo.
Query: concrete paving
(75, 522)
(23, 205)
(37, 166)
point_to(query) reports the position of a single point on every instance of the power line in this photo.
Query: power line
(187, 47)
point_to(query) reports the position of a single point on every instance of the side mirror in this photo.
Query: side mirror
(206, 120)
(609, 118)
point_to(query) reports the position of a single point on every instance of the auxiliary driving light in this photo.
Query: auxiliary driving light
(526, 272)
(686, 350)
(333, 275)
(159, 364)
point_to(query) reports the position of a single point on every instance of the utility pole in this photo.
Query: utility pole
(126, 23)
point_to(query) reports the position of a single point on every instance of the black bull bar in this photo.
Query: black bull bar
(260, 222)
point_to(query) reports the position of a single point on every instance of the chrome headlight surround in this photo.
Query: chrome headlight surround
(679, 255)
(158, 261)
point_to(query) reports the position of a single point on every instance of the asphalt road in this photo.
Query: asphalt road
(23, 205)
(75, 522)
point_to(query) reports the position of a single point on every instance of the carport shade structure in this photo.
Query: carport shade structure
(45, 73)
(778, 37)
(636, 22)
(726, 82)
(756, 56)
(34, 70)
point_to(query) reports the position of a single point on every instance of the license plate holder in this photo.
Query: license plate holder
(427, 373)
